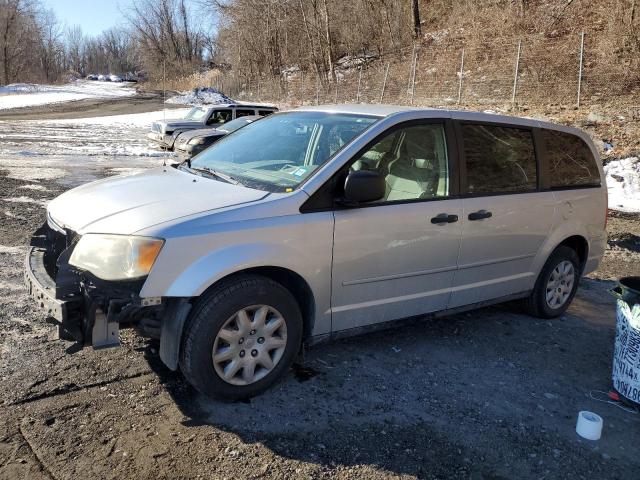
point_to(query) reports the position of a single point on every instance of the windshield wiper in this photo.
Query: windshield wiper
(214, 173)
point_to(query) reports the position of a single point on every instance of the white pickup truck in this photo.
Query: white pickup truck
(205, 116)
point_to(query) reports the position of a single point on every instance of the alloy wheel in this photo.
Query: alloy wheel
(560, 284)
(249, 345)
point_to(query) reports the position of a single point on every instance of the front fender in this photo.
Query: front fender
(198, 253)
(207, 270)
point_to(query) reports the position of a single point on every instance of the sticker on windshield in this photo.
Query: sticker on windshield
(299, 172)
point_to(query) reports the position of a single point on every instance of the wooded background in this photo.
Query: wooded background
(322, 46)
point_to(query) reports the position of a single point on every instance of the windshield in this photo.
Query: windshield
(196, 113)
(280, 151)
(233, 125)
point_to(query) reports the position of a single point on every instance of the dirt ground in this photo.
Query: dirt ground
(489, 394)
(147, 101)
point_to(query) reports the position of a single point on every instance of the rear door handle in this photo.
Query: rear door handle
(444, 218)
(479, 215)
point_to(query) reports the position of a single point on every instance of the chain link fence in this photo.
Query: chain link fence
(532, 71)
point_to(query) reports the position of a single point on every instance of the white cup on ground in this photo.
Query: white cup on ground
(589, 425)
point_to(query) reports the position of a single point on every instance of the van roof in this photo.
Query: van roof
(387, 110)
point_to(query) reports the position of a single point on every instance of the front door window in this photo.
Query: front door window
(219, 117)
(413, 161)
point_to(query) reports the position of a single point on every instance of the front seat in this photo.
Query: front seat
(413, 174)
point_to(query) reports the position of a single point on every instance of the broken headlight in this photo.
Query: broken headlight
(116, 257)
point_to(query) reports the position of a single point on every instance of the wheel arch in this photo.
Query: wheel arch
(580, 245)
(292, 281)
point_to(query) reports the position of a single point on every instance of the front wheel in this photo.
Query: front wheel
(556, 285)
(241, 338)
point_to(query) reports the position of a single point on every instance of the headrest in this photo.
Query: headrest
(422, 163)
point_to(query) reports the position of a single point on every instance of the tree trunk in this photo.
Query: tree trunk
(6, 62)
(415, 10)
(327, 32)
(311, 49)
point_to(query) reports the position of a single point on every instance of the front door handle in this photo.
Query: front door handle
(444, 218)
(479, 215)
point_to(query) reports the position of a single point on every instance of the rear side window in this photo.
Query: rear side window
(499, 159)
(264, 113)
(571, 163)
(244, 112)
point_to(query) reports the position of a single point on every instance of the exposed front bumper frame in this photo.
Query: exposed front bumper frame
(42, 288)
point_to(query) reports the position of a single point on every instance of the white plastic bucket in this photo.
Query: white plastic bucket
(626, 354)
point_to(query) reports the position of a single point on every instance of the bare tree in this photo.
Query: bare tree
(166, 32)
(415, 14)
(19, 39)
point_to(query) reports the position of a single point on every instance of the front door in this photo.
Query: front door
(396, 257)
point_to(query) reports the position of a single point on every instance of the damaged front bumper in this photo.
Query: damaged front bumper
(86, 310)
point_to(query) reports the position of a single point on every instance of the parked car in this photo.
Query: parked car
(193, 142)
(166, 132)
(317, 223)
(92, 77)
(102, 78)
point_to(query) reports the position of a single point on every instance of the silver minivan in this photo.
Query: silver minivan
(321, 222)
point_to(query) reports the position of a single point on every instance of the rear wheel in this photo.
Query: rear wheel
(241, 338)
(556, 285)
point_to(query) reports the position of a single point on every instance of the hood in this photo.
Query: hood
(201, 132)
(175, 123)
(127, 204)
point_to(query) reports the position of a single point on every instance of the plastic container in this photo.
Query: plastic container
(589, 425)
(626, 354)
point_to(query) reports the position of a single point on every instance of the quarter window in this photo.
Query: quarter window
(499, 159)
(570, 161)
(413, 161)
(264, 113)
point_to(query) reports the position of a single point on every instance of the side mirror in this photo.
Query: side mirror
(364, 186)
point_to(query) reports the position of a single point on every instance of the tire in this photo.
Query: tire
(537, 304)
(216, 322)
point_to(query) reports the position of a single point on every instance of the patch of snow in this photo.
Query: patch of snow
(437, 36)
(143, 120)
(11, 250)
(290, 73)
(351, 61)
(23, 199)
(200, 96)
(33, 186)
(34, 173)
(18, 95)
(623, 184)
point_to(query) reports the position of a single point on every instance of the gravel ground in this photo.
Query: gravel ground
(488, 394)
